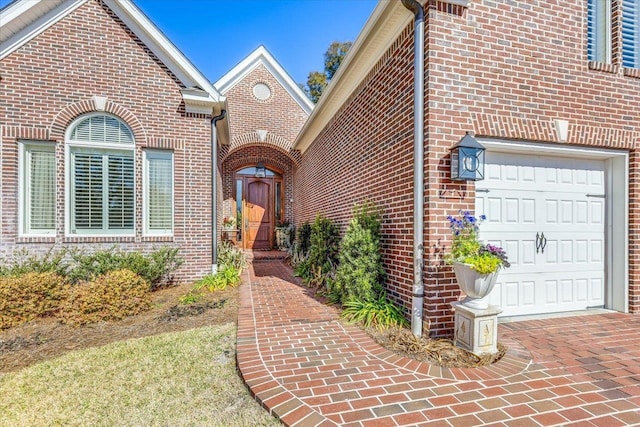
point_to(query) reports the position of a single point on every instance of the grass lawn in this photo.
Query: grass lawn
(183, 378)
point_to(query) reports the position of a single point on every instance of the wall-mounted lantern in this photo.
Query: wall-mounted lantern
(467, 160)
(261, 171)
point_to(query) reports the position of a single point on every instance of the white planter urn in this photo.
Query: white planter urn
(475, 286)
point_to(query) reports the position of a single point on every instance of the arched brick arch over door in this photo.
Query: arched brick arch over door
(250, 155)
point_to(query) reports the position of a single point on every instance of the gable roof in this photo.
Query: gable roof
(23, 20)
(261, 56)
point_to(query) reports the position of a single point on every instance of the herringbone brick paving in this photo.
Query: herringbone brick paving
(309, 368)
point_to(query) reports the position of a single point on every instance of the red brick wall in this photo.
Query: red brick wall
(280, 115)
(499, 69)
(366, 152)
(51, 80)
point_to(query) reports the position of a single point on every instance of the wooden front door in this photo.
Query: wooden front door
(258, 213)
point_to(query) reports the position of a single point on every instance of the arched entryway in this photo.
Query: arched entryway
(259, 196)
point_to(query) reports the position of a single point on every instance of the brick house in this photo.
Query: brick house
(552, 91)
(106, 131)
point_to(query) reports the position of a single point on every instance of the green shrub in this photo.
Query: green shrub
(381, 313)
(304, 237)
(230, 256)
(191, 297)
(360, 274)
(111, 296)
(156, 268)
(323, 252)
(31, 295)
(23, 262)
(224, 278)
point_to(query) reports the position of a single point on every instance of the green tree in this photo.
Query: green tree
(317, 81)
(334, 56)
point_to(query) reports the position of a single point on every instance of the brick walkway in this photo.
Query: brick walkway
(308, 368)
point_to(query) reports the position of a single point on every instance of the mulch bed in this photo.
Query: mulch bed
(441, 352)
(46, 338)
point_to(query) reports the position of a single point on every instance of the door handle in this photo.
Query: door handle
(541, 242)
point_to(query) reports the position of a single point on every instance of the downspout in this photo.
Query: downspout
(418, 166)
(214, 191)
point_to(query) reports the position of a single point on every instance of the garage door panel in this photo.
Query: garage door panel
(525, 196)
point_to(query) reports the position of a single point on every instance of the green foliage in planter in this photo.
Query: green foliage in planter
(111, 296)
(22, 262)
(484, 263)
(360, 274)
(27, 296)
(380, 313)
(325, 244)
(157, 268)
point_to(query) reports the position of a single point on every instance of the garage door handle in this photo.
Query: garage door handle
(541, 242)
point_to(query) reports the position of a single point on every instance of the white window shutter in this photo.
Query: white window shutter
(631, 33)
(599, 30)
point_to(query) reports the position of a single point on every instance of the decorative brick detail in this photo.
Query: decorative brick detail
(513, 127)
(293, 155)
(632, 72)
(603, 66)
(72, 111)
(25, 132)
(166, 143)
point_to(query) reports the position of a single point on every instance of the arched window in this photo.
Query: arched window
(100, 176)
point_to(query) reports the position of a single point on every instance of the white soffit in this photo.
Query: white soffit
(261, 56)
(386, 22)
(23, 20)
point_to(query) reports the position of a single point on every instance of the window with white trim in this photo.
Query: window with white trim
(37, 188)
(100, 177)
(599, 30)
(158, 192)
(631, 33)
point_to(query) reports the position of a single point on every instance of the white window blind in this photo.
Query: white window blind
(39, 189)
(631, 33)
(102, 177)
(102, 129)
(599, 30)
(121, 192)
(159, 192)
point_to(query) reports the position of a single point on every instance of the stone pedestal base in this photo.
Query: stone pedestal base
(476, 329)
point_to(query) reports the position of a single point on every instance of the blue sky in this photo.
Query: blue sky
(215, 35)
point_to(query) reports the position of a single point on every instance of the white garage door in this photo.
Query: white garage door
(526, 197)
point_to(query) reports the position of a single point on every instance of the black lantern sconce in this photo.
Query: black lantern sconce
(467, 160)
(261, 171)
